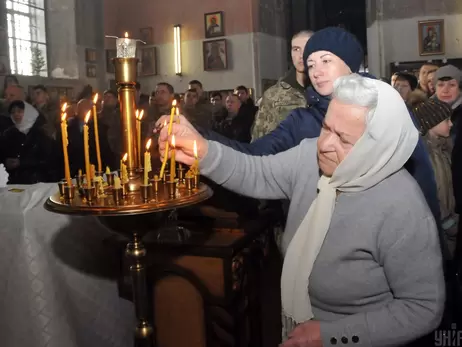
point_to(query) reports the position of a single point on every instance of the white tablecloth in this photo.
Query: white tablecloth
(57, 286)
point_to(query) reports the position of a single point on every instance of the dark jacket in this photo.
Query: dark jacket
(305, 123)
(456, 160)
(238, 128)
(36, 153)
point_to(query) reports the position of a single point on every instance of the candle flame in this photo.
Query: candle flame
(174, 103)
(87, 117)
(137, 114)
(148, 145)
(126, 34)
(177, 111)
(63, 108)
(63, 117)
(125, 157)
(141, 114)
(195, 149)
(173, 141)
(165, 123)
(95, 98)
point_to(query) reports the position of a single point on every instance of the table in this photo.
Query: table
(57, 277)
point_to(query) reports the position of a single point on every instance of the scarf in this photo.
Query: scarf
(28, 121)
(388, 142)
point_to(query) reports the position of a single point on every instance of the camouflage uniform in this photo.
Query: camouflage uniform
(276, 104)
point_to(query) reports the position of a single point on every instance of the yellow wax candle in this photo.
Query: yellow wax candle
(95, 124)
(123, 171)
(79, 173)
(180, 166)
(65, 140)
(196, 159)
(172, 160)
(147, 163)
(87, 149)
(93, 171)
(139, 117)
(117, 184)
(108, 171)
(164, 162)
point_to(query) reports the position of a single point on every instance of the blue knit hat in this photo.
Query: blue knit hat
(337, 41)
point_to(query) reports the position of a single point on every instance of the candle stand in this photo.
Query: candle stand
(133, 209)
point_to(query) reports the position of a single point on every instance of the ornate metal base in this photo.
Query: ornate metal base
(134, 215)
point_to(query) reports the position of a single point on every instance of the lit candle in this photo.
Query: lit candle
(126, 47)
(123, 169)
(95, 124)
(86, 149)
(147, 163)
(196, 159)
(172, 160)
(65, 140)
(139, 117)
(108, 170)
(164, 162)
(180, 166)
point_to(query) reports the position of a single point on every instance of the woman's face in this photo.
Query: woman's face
(323, 69)
(431, 85)
(447, 91)
(17, 114)
(343, 126)
(443, 129)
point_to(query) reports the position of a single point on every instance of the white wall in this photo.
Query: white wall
(401, 41)
(251, 57)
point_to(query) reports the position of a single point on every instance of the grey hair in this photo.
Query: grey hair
(354, 89)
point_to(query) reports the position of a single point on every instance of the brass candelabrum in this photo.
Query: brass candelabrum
(131, 208)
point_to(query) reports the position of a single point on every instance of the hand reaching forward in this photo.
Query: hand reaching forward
(184, 143)
(307, 334)
(166, 119)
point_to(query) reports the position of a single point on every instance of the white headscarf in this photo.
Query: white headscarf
(28, 121)
(386, 145)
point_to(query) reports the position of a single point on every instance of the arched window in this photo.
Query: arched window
(27, 37)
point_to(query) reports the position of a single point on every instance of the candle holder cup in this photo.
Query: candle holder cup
(196, 181)
(90, 193)
(118, 195)
(188, 182)
(167, 178)
(99, 174)
(180, 174)
(110, 179)
(79, 180)
(171, 188)
(145, 192)
(69, 192)
(155, 184)
(61, 185)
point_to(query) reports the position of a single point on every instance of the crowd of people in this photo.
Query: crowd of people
(369, 170)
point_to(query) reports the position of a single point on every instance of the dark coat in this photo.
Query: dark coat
(36, 153)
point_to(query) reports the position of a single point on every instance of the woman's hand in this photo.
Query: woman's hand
(307, 334)
(166, 119)
(184, 143)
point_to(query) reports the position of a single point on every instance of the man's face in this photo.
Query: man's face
(40, 97)
(190, 99)
(431, 82)
(343, 126)
(13, 93)
(242, 94)
(109, 101)
(197, 87)
(162, 96)
(403, 87)
(298, 46)
(447, 91)
(216, 100)
(423, 75)
(323, 69)
(233, 104)
(17, 114)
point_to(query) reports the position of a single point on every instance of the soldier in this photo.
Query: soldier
(287, 94)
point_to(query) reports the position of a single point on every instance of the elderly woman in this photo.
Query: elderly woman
(362, 262)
